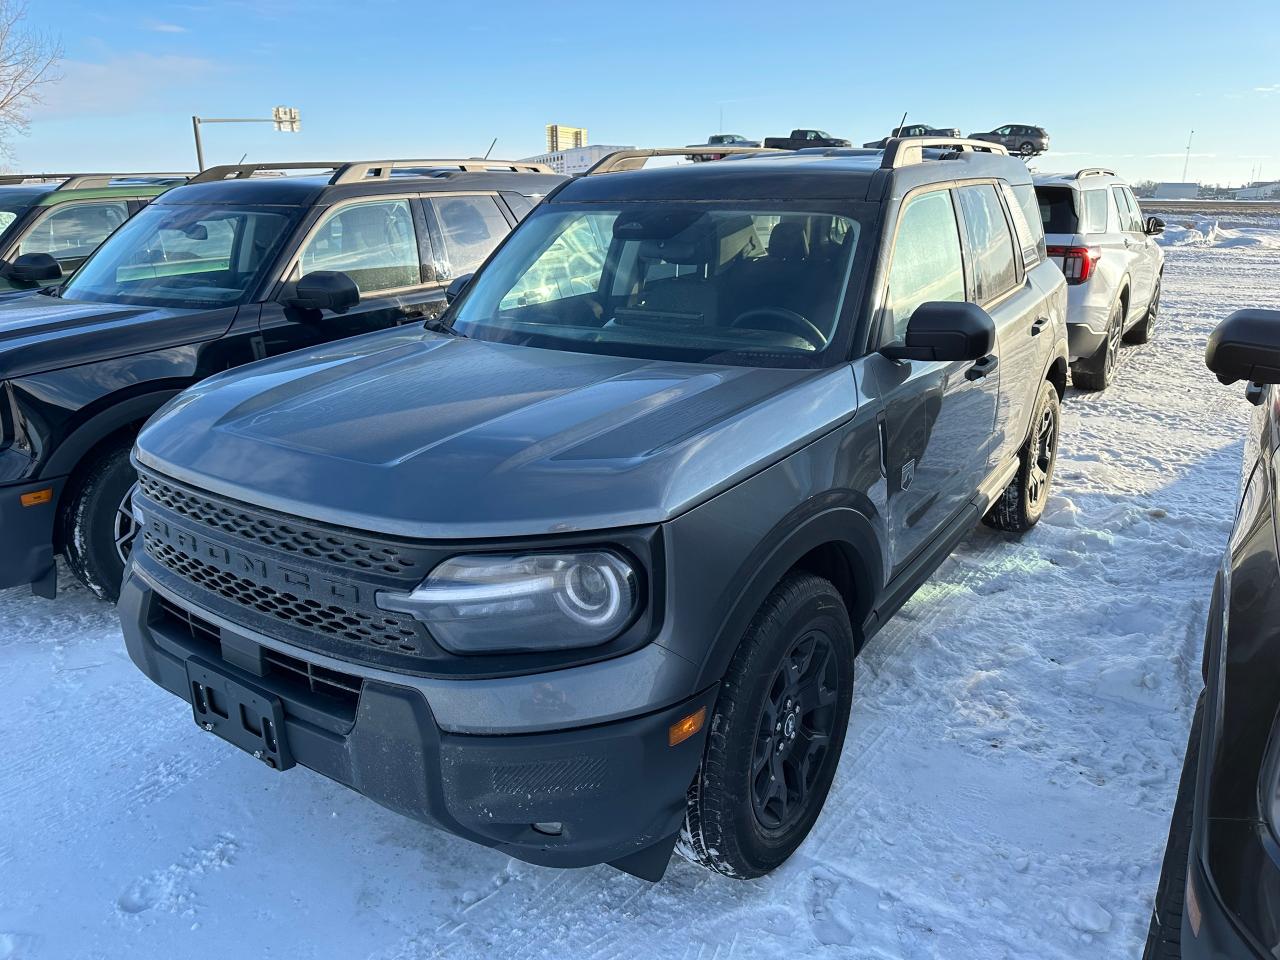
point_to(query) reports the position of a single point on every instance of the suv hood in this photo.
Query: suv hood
(427, 436)
(39, 333)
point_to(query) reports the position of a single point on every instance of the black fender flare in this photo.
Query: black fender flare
(101, 425)
(843, 526)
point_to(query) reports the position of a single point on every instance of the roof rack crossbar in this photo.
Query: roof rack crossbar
(904, 151)
(621, 160)
(87, 181)
(382, 169)
(1093, 172)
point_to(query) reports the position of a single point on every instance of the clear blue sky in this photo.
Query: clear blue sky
(1117, 83)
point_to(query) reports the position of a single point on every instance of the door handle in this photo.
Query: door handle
(982, 367)
(1037, 328)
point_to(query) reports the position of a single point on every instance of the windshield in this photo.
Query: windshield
(742, 285)
(184, 255)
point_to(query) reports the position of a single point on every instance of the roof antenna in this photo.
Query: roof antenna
(490, 150)
(902, 123)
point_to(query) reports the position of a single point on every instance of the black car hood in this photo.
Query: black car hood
(422, 435)
(39, 332)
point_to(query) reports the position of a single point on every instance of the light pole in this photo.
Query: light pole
(286, 120)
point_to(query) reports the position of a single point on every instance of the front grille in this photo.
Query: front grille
(342, 690)
(383, 631)
(317, 544)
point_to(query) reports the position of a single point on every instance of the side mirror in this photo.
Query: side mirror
(946, 330)
(1153, 226)
(34, 268)
(456, 287)
(325, 290)
(1246, 346)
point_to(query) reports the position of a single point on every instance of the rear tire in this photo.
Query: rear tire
(776, 732)
(1022, 503)
(1164, 936)
(90, 526)
(1098, 372)
(1145, 328)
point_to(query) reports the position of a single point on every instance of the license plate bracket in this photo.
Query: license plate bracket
(239, 713)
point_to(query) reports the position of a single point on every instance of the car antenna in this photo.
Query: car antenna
(903, 122)
(490, 150)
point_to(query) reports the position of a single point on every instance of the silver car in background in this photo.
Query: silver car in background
(1097, 235)
(1019, 138)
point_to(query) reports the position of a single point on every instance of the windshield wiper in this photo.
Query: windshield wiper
(439, 325)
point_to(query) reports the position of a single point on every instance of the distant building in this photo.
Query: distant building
(1177, 191)
(1258, 190)
(560, 137)
(575, 159)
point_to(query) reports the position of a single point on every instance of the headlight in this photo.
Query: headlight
(523, 603)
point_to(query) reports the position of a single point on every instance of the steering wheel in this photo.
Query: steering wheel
(784, 321)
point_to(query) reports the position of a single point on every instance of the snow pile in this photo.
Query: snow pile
(1005, 791)
(1212, 231)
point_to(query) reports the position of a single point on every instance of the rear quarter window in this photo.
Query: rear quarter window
(1058, 209)
(1027, 222)
(1095, 211)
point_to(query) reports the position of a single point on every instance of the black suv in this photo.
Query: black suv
(1219, 893)
(583, 567)
(229, 268)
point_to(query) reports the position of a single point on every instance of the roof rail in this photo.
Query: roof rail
(382, 169)
(1093, 172)
(621, 160)
(86, 181)
(242, 171)
(904, 151)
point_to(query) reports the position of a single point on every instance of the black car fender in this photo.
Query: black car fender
(838, 542)
(101, 425)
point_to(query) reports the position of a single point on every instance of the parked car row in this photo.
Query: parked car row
(548, 511)
(1023, 139)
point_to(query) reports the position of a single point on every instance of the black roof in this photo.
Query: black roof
(818, 175)
(308, 191)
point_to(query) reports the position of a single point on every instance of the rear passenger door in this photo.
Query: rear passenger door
(379, 243)
(999, 285)
(464, 230)
(937, 422)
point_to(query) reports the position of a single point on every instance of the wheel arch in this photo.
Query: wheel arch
(839, 544)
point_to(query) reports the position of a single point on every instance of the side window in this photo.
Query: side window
(1027, 222)
(1128, 217)
(571, 266)
(1095, 211)
(1137, 210)
(520, 204)
(470, 228)
(72, 231)
(990, 243)
(372, 243)
(927, 264)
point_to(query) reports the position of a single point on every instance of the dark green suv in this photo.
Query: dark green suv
(52, 221)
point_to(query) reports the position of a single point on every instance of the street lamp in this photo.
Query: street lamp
(286, 120)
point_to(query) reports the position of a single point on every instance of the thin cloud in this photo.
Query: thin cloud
(157, 27)
(125, 84)
(1270, 88)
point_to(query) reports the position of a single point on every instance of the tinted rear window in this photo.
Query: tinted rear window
(1057, 209)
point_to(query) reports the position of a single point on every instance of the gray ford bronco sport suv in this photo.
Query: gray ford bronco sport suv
(580, 570)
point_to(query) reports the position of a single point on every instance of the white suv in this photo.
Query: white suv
(1097, 235)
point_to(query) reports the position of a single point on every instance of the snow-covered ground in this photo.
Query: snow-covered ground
(1004, 793)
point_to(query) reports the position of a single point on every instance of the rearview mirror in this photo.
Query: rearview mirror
(34, 268)
(1153, 226)
(456, 287)
(946, 330)
(1246, 346)
(325, 290)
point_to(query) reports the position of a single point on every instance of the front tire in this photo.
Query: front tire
(776, 732)
(1022, 503)
(97, 525)
(1027, 149)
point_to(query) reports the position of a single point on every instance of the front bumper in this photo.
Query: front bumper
(616, 789)
(27, 535)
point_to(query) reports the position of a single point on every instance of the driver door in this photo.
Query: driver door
(938, 419)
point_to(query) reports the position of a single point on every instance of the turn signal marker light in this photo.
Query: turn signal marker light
(686, 727)
(34, 498)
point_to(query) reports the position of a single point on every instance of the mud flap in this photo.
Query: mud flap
(651, 862)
